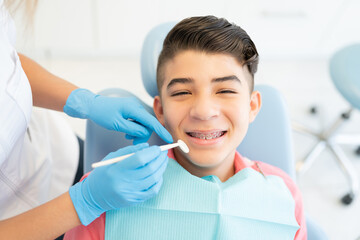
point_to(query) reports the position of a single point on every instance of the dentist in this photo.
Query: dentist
(23, 213)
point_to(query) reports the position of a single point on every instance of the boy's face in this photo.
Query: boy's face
(205, 102)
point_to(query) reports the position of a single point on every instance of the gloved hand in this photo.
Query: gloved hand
(125, 183)
(120, 114)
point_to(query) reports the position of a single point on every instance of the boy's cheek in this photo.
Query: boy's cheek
(167, 123)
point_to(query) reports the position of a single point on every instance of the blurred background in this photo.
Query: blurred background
(96, 44)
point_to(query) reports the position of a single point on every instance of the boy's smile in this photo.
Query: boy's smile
(205, 101)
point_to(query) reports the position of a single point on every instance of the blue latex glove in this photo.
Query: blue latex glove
(122, 184)
(114, 114)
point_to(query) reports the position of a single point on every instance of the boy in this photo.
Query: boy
(205, 78)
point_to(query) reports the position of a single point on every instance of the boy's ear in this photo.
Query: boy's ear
(255, 105)
(158, 110)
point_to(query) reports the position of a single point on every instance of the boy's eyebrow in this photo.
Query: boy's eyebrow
(189, 80)
(227, 78)
(178, 80)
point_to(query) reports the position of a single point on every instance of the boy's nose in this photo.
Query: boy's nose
(204, 108)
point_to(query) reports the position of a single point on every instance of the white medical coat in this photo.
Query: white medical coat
(38, 155)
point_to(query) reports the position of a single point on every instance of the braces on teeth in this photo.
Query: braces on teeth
(207, 136)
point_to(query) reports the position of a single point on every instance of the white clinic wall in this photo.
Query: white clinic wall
(280, 28)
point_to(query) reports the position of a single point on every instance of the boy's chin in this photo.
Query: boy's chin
(208, 164)
(201, 160)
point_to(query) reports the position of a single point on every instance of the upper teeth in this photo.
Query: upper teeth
(206, 136)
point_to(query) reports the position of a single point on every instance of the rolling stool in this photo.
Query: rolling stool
(345, 74)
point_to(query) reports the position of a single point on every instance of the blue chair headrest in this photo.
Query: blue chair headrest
(150, 52)
(345, 73)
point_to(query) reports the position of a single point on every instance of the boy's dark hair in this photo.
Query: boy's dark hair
(211, 35)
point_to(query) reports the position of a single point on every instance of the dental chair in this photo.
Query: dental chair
(268, 139)
(344, 72)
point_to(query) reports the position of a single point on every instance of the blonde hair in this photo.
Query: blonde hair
(27, 6)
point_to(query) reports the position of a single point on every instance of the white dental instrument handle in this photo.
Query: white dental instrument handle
(169, 146)
(118, 159)
(110, 161)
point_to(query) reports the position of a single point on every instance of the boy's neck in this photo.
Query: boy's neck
(223, 171)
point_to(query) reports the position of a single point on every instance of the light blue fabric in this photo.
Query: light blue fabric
(247, 206)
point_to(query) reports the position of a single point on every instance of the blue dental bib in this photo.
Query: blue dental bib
(247, 206)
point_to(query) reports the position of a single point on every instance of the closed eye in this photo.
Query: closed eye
(226, 91)
(179, 93)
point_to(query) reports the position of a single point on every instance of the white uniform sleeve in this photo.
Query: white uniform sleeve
(15, 92)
